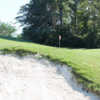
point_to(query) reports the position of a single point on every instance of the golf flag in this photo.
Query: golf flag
(60, 37)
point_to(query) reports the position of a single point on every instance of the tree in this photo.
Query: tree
(78, 21)
(84, 20)
(6, 29)
(38, 17)
(93, 25)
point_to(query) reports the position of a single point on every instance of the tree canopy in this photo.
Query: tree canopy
(6, 29)
(77, 21)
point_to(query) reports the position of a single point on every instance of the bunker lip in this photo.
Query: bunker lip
(86, 83)
(37, 78)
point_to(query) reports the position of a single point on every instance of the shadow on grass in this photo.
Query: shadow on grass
(17, 39)
(29, 41)
(12, 38)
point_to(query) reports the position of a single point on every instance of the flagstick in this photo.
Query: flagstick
(60, 40)
(59, 43)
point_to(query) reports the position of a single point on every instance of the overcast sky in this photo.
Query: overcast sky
(9, 9)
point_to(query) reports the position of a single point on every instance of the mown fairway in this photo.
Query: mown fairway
(85, 62)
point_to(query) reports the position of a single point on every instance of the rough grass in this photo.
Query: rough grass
(84, 62)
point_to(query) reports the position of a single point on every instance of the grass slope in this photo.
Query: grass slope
(84, 62)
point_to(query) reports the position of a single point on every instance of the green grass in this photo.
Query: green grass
(84, 62)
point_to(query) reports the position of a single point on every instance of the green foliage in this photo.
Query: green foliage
(78, 21)
(6, 29)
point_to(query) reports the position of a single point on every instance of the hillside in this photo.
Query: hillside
(84, 62)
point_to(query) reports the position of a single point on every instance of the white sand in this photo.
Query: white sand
(33, 79)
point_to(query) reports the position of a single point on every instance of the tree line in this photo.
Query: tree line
(6, 29)
(77, 21)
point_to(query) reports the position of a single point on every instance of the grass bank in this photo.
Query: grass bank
(84, 62)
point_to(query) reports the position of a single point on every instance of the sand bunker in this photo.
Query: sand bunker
(33, 79)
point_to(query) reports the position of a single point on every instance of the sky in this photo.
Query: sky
(9, 10)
